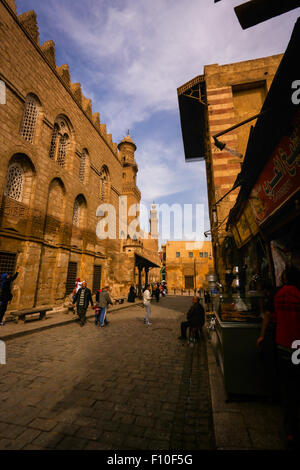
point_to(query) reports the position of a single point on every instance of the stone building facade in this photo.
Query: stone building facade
(232, 93)
(58, 165)
(187, 264)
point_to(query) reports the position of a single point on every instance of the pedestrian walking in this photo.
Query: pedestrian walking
(82, 300)
(104, 301)
(131, 294)
(72, 300)
(285, 309)
(156, 292)
(207, 300)
(97, 308)
(147, 304)
(78, 284)
(6, 296)
(195, 317)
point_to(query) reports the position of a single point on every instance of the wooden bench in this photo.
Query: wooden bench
(21, 314)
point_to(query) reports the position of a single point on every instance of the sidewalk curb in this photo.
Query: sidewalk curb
(62, 323)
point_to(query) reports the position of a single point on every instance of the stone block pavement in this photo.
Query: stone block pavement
(127, 386)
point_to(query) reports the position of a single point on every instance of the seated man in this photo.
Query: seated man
(195, 317)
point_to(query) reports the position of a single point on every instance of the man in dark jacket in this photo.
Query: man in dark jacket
(5, 292)
(82, 300)
(195, 317)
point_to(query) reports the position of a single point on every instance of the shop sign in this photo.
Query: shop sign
(280, 178)
(251, 219)
(246, 227)
(243, 229)
(236, 236)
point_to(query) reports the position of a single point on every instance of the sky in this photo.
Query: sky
(130, 56)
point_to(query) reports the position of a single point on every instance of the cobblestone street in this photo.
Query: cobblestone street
(123, 387)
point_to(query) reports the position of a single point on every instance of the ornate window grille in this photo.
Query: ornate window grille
(14, 182)
(29, 119)
(60, 140)
(82, 166)
(8, 262)
(103, 183)
(62, 150)
(53, 144)
(76, 213)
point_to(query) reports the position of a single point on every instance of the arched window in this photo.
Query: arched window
(14, 182)
(83, 164)
(104, 178)
(60, 140)
(62, 149)
(76, 213)
(79, 212)
(54, 142)
(30, 116)
(55, 211)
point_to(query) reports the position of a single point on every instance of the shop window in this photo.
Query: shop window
(29, 119)
(205, 254)
(201, 254)
(191, 254)
(7, 262)
(177, 254)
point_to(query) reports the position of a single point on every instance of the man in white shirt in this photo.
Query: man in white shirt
(147, 304)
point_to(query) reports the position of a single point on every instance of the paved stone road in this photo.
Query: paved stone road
(123, 387)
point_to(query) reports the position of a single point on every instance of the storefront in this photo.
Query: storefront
(275, 201)
(267, 230)
(263, 231)
(265, 220)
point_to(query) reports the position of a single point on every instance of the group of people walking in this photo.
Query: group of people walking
(83, 297)
(156, 290)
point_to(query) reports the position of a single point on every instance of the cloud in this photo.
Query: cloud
(131, 56)
(162, 171)
(139, 52)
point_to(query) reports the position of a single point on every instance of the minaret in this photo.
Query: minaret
(127, 148)
(129, 168)
(153, 222)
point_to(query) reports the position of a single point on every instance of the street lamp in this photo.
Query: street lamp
(221, 146)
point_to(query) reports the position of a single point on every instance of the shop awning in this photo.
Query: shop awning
(279, 110)
(144, 262)
(192, 109)
(256, 11)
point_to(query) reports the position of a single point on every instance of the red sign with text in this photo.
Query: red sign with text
(280, 178)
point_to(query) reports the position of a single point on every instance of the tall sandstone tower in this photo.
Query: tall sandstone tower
(230, 94)
(129, 189)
